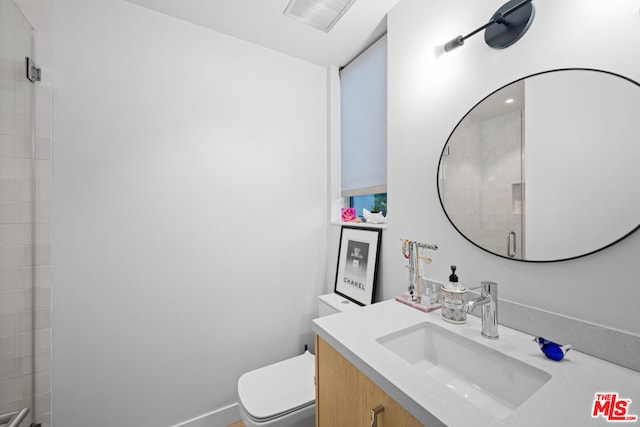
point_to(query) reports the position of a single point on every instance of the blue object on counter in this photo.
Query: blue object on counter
(552, 350)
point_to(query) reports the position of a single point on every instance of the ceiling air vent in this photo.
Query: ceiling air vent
(320, 14)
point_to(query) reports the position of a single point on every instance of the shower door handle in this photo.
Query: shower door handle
(13, 419)
(511, 243)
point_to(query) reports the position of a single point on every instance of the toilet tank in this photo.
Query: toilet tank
(333, 303)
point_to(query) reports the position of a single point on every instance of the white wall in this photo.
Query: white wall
(429, 92)
(190, 213)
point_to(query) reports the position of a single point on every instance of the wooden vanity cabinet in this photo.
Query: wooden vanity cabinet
(345, 396)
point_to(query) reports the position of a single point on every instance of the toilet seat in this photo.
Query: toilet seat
(279, 389)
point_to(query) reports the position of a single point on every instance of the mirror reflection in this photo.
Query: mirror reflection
(547, 167)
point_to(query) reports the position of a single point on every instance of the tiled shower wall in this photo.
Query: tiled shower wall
(485, 155)
(17, 325)
(459, 190)
(501, 169)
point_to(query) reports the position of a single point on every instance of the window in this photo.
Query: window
(371, 202)
(363, 129)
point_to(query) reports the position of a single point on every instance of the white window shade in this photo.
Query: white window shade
(363, 122)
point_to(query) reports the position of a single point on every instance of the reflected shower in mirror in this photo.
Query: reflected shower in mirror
(547, 167)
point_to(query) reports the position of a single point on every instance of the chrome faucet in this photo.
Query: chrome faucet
(488, 299)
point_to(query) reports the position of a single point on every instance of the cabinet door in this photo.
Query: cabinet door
(345, 396)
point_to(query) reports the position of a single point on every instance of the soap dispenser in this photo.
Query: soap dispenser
(454, 297)
(453, 279)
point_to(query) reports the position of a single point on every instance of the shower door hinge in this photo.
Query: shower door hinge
(34, 74)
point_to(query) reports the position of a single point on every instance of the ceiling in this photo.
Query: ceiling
(263, 22)
(495, 104)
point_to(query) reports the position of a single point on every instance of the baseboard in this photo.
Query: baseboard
(219, 418)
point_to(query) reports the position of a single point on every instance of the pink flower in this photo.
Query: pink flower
(348, 214)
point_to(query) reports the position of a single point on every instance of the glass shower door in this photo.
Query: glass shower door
(502, 186)
(17, 336)
(480, 180)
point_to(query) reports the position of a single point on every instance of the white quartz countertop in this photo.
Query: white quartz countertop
(565, 400)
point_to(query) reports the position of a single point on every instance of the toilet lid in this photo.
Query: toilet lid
(280, 388)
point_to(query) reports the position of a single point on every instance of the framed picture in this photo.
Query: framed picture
(358, 255)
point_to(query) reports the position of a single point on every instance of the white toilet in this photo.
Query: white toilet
(283, 394)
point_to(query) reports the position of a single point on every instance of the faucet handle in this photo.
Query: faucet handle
(489, 288)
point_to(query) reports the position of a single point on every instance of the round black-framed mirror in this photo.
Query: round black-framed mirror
(546, 168)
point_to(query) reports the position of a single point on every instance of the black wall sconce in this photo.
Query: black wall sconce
(506, 26)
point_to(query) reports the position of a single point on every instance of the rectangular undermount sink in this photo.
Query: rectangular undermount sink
(494, 382)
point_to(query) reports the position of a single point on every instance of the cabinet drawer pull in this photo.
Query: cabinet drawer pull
(374, 415)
